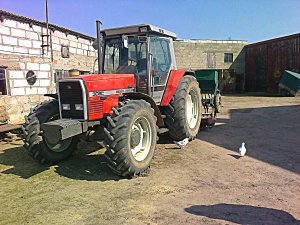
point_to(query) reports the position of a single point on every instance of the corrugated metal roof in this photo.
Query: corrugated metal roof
(274, 40)
(8, 15)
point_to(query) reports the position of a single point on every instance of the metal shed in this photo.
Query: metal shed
(266, 62)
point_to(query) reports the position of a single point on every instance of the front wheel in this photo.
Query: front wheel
(131, 138)
(36, 144)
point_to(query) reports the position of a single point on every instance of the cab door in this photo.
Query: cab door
(161, 62)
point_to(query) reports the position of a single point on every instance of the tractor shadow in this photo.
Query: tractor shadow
(243, 214)
(271, 134)
(165, 139)
(88, 164)
(19, 162)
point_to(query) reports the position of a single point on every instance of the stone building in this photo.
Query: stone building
(227, 57)
(31, 62)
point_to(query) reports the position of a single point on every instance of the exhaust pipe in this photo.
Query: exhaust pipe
(99, 47)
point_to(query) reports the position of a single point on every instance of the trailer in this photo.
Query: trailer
(289, 83)
(210, 94)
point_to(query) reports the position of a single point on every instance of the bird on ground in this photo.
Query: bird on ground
(242, 149)
(182, 143)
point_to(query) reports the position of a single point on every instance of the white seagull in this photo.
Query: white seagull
(242, 149)
(181, 143)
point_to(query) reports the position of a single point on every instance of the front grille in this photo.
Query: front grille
(70, 92)
(96, 107)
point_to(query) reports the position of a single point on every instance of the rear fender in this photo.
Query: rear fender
(157, 113)
(173, 82)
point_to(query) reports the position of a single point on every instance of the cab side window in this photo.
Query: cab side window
(161, 63)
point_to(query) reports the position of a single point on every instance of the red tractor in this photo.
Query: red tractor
(137, 94)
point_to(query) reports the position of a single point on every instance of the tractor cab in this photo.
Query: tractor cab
(143, 50)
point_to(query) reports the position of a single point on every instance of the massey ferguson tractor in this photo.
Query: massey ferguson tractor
(137, 94)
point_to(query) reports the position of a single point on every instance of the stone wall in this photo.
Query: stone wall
(81, 52)
(192, 54)
(21, 50)
(14, 108)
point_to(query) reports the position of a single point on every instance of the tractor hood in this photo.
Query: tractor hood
(108, 82)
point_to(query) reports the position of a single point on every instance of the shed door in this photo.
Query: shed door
(211, 60)
(260, 73)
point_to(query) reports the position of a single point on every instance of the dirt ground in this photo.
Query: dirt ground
(205, 183)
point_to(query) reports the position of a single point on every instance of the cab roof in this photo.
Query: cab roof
(138, 29)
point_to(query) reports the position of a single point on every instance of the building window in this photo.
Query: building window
(61, 74)
(3, 84)
(228, 57)
(65, 51)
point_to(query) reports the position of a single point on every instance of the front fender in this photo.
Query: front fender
(147, 98)
(173, 82)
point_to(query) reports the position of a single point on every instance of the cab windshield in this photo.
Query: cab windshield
(131, 59)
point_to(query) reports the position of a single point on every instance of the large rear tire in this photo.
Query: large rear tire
(35, 144)
(183, 114)
(131, 138)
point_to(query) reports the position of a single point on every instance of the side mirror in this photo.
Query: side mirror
(95, 43)
(125, 41)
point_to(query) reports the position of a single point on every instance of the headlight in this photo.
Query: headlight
(66, 106)
(78, 106)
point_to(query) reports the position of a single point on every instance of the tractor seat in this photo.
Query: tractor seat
(141, 65)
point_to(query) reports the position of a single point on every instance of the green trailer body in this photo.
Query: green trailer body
(290, 81)
(208, 80)
(211, 98)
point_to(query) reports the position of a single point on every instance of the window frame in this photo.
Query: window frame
(5, 81)
(227, 57)
(166, 55)
(120, 50)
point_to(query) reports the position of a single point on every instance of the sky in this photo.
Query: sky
(250, 20)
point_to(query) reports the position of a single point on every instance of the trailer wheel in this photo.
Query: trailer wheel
(35, 144)
(183, 114)
(131, 138)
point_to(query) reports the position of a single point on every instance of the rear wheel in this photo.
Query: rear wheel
(183, 114)
(131, 138)
(36, 145)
